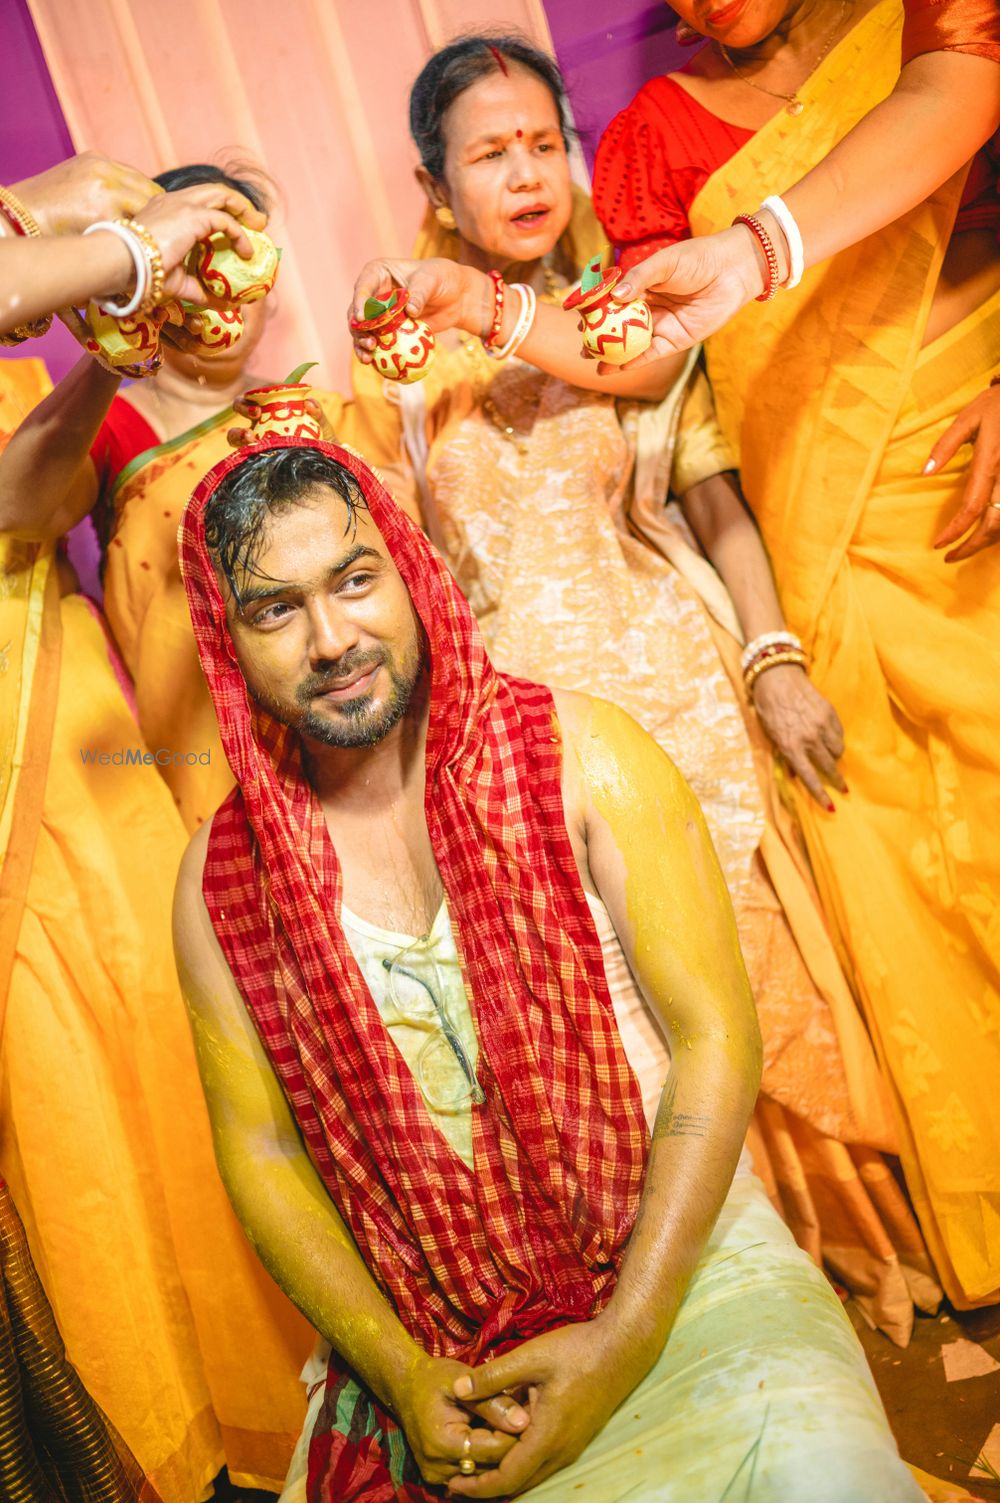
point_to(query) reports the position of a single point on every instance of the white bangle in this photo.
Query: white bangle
(522, 328)
(768, 639)
(137, 251)
(793, 239)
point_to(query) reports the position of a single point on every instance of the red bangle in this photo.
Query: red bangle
(755, 227)
(499, 292)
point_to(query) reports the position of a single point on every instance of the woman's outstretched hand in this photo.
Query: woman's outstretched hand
(978, 424)
(178, 220)
(692, 288)
(804, 727)
(66, 198)
(443, 294)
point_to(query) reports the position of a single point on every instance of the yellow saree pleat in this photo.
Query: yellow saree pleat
(167, 1316)
(832, 406)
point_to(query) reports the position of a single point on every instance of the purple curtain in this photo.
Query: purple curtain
(33, 136)
(605, 62)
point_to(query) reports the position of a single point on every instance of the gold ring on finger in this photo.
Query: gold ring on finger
(467, 1466)
(994, 504)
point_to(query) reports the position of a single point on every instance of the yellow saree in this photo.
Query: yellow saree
(147, 610)
(169, 1319)
(832, 405)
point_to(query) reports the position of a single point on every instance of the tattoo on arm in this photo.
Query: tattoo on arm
(673, 1124)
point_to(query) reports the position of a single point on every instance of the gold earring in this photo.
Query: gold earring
(445, 217)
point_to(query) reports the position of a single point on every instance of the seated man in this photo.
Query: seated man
(447, 939)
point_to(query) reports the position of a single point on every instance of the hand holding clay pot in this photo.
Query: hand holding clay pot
(213, 328)
(404, 347)
(613, 332)
(282, 410)
(226, 276)
(127, 346)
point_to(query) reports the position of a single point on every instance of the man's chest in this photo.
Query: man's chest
(389, 873)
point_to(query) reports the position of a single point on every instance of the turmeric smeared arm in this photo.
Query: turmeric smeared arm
(640, 838)
(289, 1217)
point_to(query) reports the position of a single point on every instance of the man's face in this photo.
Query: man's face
(326, 634)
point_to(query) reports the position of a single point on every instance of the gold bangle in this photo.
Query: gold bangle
(17, 214)
(157, 276)
(776, 660)
(23, 223)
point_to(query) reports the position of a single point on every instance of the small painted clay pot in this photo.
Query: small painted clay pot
(404, 347)
(614, 332)
(125, 341)
(283, 411)
(226, 276)
(213, 328)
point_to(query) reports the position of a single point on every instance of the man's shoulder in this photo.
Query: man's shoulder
(596, 725)
(607, 754)
(192, 866)
(191, 918)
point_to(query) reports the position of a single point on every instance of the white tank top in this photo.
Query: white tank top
(418, 989)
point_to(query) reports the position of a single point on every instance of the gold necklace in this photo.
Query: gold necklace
(793, 104)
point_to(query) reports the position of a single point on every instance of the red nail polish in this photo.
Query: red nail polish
(830, 809)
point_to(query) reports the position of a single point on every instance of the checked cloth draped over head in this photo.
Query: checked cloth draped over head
(472, 1262)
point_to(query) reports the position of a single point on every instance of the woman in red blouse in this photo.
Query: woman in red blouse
(832, 395)
(944, 106)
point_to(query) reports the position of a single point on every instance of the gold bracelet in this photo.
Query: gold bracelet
(17, 214)
(22, 222)
(157, 276)
(776, 660)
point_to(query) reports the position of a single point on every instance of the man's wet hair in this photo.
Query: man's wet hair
(262, 486)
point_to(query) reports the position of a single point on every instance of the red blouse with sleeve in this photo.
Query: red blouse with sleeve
(656, 155)
(122, 436)
(652, 162)
(951, 26)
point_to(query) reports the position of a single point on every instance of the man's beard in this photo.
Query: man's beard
(357, 722)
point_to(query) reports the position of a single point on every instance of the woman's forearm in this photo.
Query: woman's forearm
(555, 346)
(729, 536)
(945, 105)
(47, 482)
(39, 274)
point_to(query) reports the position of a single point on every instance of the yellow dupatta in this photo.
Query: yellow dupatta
(29, 676)
(833, 406)
(147, 610)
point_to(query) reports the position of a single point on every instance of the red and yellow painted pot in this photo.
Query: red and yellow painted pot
(213, 328)
(614, 332)
(283, 411)
(404, 347)
(124, 342)
(226, 276)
